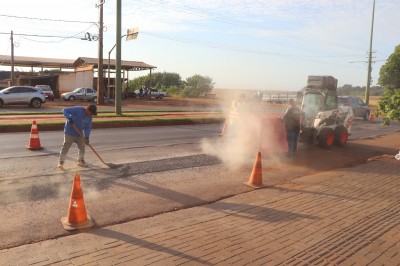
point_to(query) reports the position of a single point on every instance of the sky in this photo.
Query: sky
(239, 44)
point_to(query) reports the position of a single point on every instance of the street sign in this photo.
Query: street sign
(132, 34)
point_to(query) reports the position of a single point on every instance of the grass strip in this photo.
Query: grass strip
(124, 121)
(111, 113)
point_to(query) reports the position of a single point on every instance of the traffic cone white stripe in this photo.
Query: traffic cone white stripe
(34, 141)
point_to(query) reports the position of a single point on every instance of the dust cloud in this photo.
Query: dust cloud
(244, 135)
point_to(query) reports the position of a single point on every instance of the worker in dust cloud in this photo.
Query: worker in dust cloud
(292, 126)
(236, 109)
(238, 104)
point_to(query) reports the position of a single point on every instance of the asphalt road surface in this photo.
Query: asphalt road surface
(160, 169)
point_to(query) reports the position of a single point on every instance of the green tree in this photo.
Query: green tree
(197, 85)
(137, 83)
(389, 103)
(389, 78)
(389, 74)
(161, 81)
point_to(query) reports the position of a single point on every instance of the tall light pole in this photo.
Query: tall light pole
(12, 58)
(370, 58)
(131, 35)
(100, 92)
(118, 84)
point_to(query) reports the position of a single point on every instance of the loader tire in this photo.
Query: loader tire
(341, 135)
(326, 138)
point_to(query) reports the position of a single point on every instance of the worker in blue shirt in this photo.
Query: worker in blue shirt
(77, 129)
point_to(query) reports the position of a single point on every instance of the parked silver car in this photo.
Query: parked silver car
(31, 96)
(83, 94)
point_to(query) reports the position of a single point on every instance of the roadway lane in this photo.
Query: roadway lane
(162, 169)
(110, 143)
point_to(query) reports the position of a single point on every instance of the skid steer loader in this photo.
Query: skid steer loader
(323, 122)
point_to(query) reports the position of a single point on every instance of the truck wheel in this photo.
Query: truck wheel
(161, 97)
(366, 116)
(326, 138)
(71, 98)
(341, 135)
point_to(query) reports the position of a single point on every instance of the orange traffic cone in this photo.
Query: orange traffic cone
(77, 217)
(255, 180)
(223, 129)
(371, 118)
(34, 141)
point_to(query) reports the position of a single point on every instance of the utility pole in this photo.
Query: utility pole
(118, 84)
(370, 58)
(100, 92)
(12, 59)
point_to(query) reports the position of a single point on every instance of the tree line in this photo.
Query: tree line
(349, 90)
(197, 85)
(172, 83)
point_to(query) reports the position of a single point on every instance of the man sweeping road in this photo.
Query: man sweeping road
(80, 118)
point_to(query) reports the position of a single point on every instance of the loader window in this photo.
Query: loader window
(312, 104)
(331, 102)
(313, 100)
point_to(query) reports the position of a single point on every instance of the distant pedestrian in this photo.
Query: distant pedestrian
(238, 104)
(292, 126)
(77, 129)
(235, 115)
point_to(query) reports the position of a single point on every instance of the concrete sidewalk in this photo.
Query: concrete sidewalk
(348, 216)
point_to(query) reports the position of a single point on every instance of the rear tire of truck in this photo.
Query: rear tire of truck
(341, 135)
(326, 138)
(366, 116)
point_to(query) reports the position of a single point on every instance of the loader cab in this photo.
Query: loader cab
(315, 101)
(312, 104)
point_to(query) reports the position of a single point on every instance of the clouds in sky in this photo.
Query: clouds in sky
(253, 44)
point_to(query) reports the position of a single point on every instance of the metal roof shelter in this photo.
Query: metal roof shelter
(25, 61)
(125, 65)
(72, 65)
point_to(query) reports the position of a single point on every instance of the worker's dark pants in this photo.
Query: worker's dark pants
(292, 138)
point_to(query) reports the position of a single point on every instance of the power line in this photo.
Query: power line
(236, 49)
(43, 36)
(241, 23)
(47, 19)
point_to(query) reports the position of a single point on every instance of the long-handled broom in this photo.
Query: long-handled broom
(110, 165)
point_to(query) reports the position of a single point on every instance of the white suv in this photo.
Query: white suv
(22, 95)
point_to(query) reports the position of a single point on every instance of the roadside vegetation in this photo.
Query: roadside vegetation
(172, 83)
(389, 78)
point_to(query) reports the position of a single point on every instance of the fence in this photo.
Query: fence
(278, 96)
